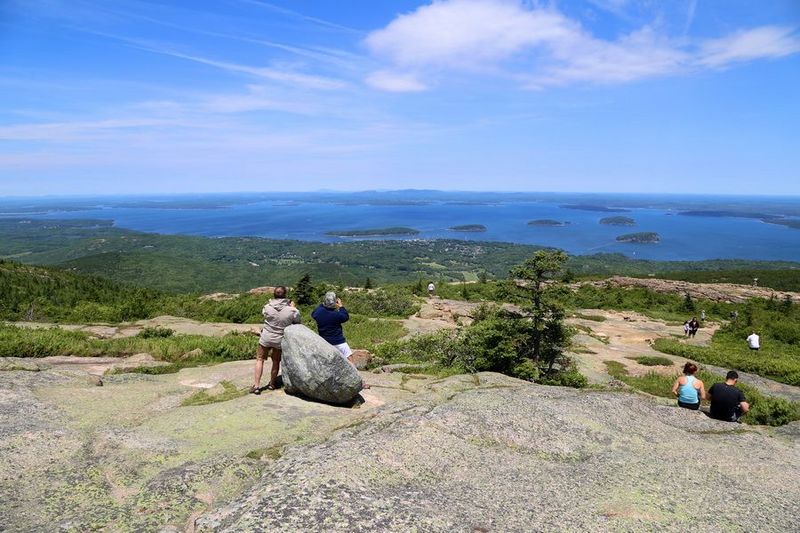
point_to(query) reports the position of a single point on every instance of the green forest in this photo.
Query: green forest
(186, 264)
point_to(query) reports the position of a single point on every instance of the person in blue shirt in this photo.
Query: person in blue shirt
(689, 389)
(329, 316)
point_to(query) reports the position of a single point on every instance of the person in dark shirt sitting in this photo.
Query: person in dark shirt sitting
(727, 402)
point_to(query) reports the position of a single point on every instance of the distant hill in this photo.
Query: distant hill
(592, 207)
(34, 293)
(180, 263)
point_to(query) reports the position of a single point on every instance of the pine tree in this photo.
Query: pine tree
(304, 291)
(548, 335)
(368, 283)
(688, 303)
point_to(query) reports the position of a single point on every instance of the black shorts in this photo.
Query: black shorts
(692, 406)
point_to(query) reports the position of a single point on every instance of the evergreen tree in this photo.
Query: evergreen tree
(688, 303)
(419, 287)
(304, 291)
(464, 292)
(368, 283)
(548, 335)
(482, 277)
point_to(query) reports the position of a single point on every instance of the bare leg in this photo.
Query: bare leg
(261, 353)
(275, 355)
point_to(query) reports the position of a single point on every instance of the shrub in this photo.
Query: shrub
(155, 333)
(652, 360)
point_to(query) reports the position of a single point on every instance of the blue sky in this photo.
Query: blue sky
(147, 96)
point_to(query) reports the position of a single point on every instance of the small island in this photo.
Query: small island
(377, 232)
(469, 228)
(598, 208)
(548, 222)
(644, 237)
(618, 221)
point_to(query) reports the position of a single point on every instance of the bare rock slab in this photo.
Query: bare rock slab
(315, 369)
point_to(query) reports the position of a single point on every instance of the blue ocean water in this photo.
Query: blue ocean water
(308, 217)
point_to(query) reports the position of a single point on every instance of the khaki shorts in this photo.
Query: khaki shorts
(268, 351)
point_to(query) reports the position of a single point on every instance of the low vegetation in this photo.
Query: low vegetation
(778, 324)
(652, 360)
(764, 410)
(204, 397)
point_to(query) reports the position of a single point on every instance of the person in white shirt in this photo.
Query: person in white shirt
(753, 341)
(431, 288)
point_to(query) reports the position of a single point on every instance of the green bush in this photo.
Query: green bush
(496, 343)
(653, 360)
(155, 333)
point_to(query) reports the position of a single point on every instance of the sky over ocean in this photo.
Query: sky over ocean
(148, 96)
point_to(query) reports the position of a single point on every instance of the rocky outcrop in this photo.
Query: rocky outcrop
(718, 292)
(503, 455)
(315, 369)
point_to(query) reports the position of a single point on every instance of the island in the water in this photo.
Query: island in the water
(769, 219)
(592, 207)
(644, 237)
(618, 221)
(549, 222)
(469, 228)
(376, 232)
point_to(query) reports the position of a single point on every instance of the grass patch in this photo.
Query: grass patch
(229, 392)
(273, 453)
(764, 410)
(652, 360)
(776, 361)
(594, 318)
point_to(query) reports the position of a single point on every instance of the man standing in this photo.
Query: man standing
(754, 341)
(727, 402)
(431, 289)
(278, 313)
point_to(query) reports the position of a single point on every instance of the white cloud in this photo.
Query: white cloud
(466, 33)
(387, 80)
(542, 47)
(764, 42)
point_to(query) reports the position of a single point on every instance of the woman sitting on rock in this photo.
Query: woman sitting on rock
(689, 389)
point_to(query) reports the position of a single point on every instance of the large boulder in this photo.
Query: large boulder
(315, 369)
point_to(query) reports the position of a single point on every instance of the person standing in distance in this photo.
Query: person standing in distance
(727, 402)
(278, 313)
(431, 289)
(754, 341)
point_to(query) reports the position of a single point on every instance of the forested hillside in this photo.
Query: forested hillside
(177, 263)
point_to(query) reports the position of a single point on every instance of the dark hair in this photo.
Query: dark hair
(689, 368)
(732, 375)
(280, 292)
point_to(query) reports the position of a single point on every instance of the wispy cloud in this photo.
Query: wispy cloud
(280, 75)
(542, 47)
(301, 16)
(747, 45)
